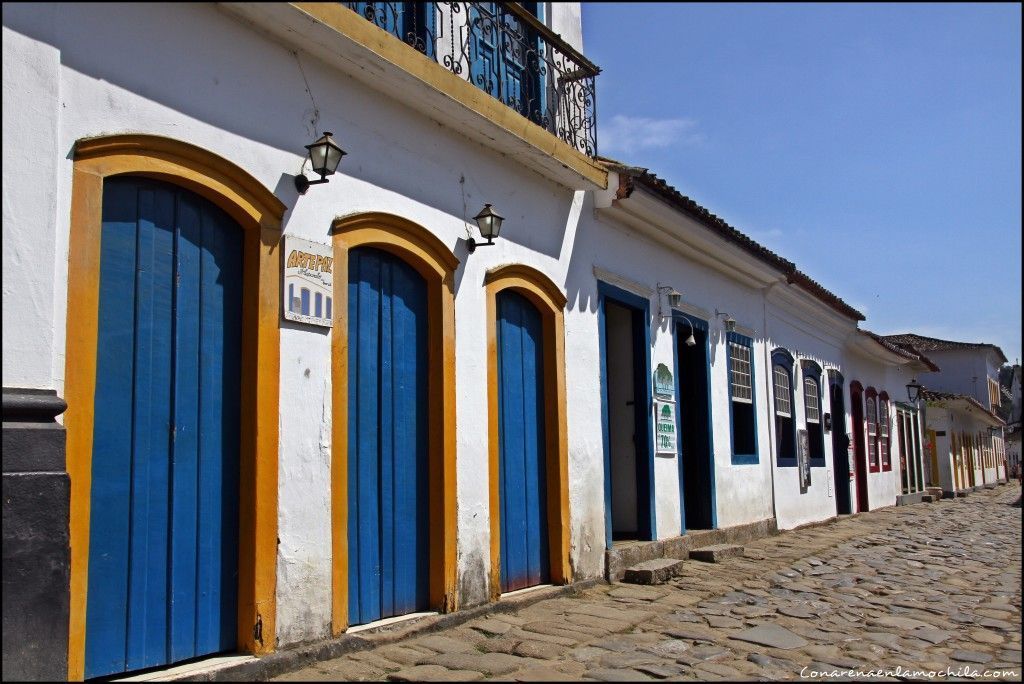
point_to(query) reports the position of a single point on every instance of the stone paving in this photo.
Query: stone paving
(928, 587)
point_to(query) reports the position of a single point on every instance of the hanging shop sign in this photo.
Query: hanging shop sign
(803, 460)
(663, 385)
(665, 426)
(308, 281)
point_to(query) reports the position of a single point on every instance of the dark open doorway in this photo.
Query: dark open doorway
(840, 444)
(625, 335)
(696, 452)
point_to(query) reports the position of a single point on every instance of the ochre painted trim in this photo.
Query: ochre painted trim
(434, 261)
(550, 301)
(387, 47)
(259, 213)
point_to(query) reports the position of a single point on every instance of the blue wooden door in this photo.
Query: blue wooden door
(522, 482)
(388, 515)
(163, 554)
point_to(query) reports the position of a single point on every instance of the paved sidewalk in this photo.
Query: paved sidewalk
(931, 587)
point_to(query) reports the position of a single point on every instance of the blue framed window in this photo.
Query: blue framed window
(742, 407)
(785, 413)
(813, 411)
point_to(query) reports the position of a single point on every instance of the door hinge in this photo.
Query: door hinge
(257, 630)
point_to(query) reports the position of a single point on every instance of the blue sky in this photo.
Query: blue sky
(877, 146)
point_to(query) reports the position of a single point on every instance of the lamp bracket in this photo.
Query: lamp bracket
(472, 244)
(302, 183)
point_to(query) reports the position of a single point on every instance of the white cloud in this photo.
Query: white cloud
(632, 133)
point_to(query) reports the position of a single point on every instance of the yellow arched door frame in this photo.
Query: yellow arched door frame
(259, 213)
(433, 260)
(550, 301)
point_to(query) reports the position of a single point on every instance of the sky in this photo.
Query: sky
(876, 146)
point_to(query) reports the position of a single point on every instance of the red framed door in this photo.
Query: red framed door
(859, 452)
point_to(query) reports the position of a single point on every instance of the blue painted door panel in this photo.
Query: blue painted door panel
(164, 504)
(504, 57)
(388, 526)
(521, 456)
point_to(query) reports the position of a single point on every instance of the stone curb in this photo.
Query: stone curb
(303, 655)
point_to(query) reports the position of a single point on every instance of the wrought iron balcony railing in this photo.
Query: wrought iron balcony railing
(504, 50)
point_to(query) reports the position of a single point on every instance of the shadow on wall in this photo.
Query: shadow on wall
(389, 146)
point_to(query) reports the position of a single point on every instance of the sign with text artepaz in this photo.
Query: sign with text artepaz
(308, 281)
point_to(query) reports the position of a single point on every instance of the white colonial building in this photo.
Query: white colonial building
(304, 396)
(965, 434)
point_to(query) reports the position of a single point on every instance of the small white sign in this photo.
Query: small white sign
(665, 426)
(308, 281)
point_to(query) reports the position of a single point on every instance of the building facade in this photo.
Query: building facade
(245, 464)
(965, 433)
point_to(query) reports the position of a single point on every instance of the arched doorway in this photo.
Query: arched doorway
(407, 273)
(528, 445)
(193, 183)
(163, 541)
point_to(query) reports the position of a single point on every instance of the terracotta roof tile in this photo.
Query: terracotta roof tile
(630, 176)
(905, 348)
(935, 344)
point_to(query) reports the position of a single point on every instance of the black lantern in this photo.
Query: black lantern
(730, 322)
(914, 390)
(324, 157)
(489, 223)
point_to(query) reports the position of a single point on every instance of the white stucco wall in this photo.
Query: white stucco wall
(963, 371)
(31, 264)
(636, 263)
(883, 486)
(186, 72)
(939, 421)
(822, 344)
(399, 162)
(566, 20)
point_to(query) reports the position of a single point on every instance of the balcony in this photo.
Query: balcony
(505, 51)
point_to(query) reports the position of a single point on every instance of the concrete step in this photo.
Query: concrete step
(657, 571)
(716, 553)
(927, 498)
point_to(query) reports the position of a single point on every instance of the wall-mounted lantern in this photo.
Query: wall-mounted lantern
(730, 322)
(324, 157)
(914, 390)
(690, 341)
(674, 297)
(489, 222)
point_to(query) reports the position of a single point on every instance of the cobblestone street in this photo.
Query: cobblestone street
(931, 587)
